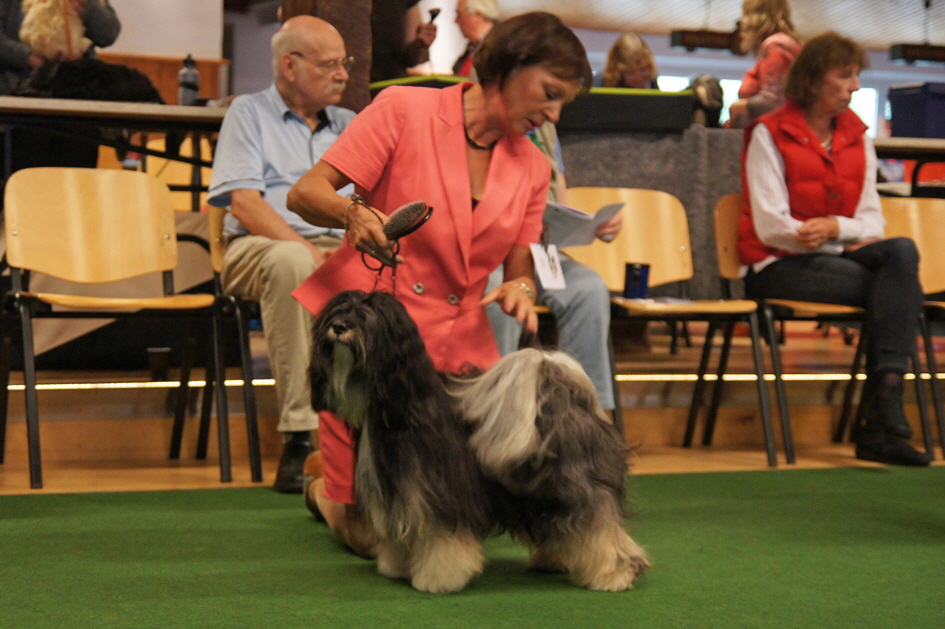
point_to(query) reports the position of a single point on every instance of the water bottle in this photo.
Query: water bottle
(188, 82)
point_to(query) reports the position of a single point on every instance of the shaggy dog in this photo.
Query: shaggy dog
(524, 447)
(415, 477)
(53, 29)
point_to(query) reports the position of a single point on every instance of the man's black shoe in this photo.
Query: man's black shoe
(289, 477)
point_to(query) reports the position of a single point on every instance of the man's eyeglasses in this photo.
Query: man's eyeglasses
(330, 66)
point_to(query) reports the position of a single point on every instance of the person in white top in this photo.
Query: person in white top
(812, 230)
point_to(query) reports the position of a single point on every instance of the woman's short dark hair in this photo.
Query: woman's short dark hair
(818, 57)
(532, 39)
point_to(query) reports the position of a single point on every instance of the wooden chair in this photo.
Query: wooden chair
(93, 227)
(242, 310)
(923, 220)
(727, 212)
(656, 232)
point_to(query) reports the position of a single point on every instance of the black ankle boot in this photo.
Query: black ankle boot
(875, 443)
(883, 407)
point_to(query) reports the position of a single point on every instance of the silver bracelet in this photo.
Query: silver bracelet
(528, 289)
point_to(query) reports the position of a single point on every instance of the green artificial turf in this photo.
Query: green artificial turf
(857, 548)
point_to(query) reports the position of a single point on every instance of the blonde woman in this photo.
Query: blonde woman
(767, 32)
(630, 64)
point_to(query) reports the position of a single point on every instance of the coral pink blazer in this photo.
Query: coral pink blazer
(409, 145)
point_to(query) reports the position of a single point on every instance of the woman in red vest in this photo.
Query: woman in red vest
(812, 229)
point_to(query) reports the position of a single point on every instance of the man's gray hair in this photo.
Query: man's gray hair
(282, 42)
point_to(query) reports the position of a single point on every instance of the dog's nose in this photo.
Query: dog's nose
(339, 328)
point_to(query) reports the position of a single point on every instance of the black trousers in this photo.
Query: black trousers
(881, 277)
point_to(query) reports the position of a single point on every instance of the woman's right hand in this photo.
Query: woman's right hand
(816, 231)
(365, 232)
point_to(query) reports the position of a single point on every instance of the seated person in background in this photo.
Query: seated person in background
(268, 140)
(812, 230)
(766, 32)
(630, 64)
(399, 38)
(582, 308)
(17, 59)
(475, 19)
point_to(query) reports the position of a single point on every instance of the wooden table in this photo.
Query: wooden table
(922, 150)
(83, 120)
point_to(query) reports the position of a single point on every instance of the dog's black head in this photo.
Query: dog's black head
(366, 347)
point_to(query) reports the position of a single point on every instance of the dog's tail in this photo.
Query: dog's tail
(503, 403)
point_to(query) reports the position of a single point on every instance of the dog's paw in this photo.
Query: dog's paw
(446, 563)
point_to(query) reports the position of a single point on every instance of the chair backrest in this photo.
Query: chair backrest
(655, 232)
(215, 223)
(728, 211)
(922, 220)
(89, 225)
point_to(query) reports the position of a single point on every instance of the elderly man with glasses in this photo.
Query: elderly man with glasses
(268, 140)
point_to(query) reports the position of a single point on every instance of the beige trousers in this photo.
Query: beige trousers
(268, 271)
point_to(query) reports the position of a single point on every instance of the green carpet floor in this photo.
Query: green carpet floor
(859, 548)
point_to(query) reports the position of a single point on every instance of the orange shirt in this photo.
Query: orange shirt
(409, 145)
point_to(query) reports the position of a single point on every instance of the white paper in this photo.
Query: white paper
(567, 227)
(548, 267)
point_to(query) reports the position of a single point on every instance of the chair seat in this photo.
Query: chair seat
(82, 302)
(814, 309)
(696, 307)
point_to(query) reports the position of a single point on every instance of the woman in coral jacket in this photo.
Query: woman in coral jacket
(812, 229)
(463, 151)
(767, 33)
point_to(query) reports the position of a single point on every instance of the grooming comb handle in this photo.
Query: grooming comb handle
(407, 219)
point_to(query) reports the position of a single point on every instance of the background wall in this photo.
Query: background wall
(170, 28)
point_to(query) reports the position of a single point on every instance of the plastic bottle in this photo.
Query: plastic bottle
(188, 82)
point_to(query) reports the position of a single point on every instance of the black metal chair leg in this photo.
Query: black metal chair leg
(223, 425)
(183, 393)
(777, 367)
(923, 404)
(32, 404)
(709, 430)
(206, 414)
(850, 391)
(618, 409)
(249, 396)
(6, 355)
(936, 386)
(764, 402)
(699, 390)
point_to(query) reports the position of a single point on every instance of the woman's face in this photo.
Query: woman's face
(532, 96)
(640, 77)
(835, 90)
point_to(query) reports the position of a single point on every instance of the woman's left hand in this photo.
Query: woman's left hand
(515, 302)
(607, 231)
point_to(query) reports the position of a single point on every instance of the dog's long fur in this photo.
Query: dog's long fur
(558, 466)
(46, 31)
(524, 447)
(415, 477)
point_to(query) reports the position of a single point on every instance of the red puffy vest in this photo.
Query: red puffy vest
(818, 183)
